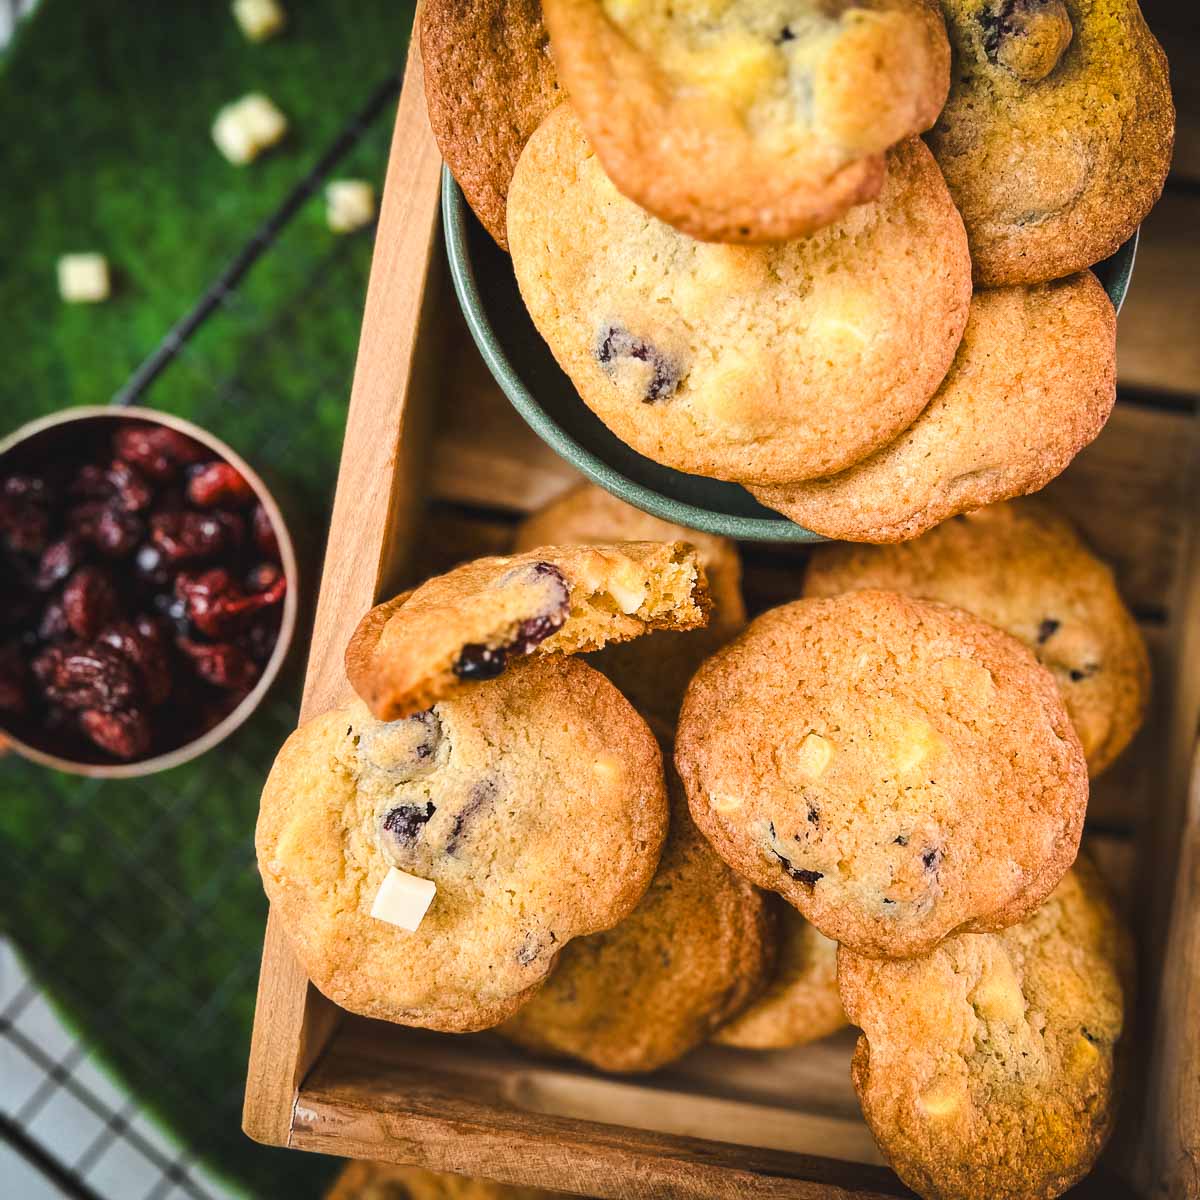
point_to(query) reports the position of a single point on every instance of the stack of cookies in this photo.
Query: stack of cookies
(727, 226)
(634, 823)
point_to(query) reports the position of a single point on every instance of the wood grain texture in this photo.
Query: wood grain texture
(1156, 344)
(292, 1020)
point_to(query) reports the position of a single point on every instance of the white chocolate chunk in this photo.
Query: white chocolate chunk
(244, 129)
(349, 204)
(997, 996)
(941, 1100)
(629, 593)
(724, 803)
(607, 768)
(259, 19)
(403, 899)
(83, 278)
(814, 755)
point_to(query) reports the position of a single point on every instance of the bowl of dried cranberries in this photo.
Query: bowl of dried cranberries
(149, 591)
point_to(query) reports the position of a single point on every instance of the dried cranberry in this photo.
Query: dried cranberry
(218, 483)
(90, 601)
(131, 491)
(79, 676)
(221, 664)
(151, 565)
(157, 451)
(110, 530)
(124, 735)
(476, 661)
(53, 625)
(263, 577)
(13, 680)
(616, 343)
(27, 487)
(406, 821)
(217, 607)
(188, 536)
(18, 601)
(174, 610)
(58, 560)
(146, 653)
(258, 640)
(24, 521)
(264, 533)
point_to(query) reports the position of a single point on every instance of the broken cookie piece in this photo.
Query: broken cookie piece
(474, 622)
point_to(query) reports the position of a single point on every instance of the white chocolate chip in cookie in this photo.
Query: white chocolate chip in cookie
(943, 1099)
(998, 996)
(724, 803)
(813, 756)
(1082, 1056)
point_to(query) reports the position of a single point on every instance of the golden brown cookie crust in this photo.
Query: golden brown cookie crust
(494, 783)
(986, 1068)
(761, 364)
(696, 160)
(698, 947)
(1024, 568)
(489, 81)
(654, 671)
(473, 622)
(894, 768)
(1053, 174)
(1034, 381)
(801, 1003)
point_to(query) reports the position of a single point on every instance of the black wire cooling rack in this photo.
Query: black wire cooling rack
(59, 1067)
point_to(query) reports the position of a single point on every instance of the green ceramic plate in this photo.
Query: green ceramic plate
(524, 367)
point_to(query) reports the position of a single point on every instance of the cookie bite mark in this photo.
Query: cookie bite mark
(470, 625)
(637, 365)
(1028, 37)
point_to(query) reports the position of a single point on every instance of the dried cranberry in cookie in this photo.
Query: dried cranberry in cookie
(471, 624)
(484, 795)
(895, 769)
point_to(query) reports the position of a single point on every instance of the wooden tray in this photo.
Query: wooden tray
(436, 467)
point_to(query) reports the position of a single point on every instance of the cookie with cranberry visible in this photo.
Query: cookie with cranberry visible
(386, 1181)
(696, 949)
(989, 1067)
(748, 121)
(1025, 569)
(654, 671)
(485, 795)
(1034, 381)
(896, 769)
(801, 1002)
(761, 364)
(466, 626)
(489, 81)
(1057, 136)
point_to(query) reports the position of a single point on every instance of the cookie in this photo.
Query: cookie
(535, 803)
(801, 1003)
(1033, 383)
(694, 952)
(763, 364)
(489, 81)
(654, 671)
(1023, 568)
(750, 121)
(896, 769)
(386, 1181)
(466, 626)
(1058, 133)
(986, 1068)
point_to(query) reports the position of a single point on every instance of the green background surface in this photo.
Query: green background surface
(137, 903)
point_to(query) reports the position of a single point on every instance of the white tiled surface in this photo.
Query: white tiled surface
(70, 1118)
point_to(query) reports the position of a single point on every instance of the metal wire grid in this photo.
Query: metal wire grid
(189, 917)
